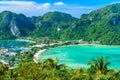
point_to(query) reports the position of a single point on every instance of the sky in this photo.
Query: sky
(40, 7)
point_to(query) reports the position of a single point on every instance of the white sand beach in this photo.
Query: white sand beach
(25, 40)
(36, 55)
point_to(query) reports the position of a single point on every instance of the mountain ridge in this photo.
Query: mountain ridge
(99, 25)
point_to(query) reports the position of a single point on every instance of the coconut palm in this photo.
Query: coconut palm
(53, 69)
(52, 64)
(79, 74)
(99, 65)
(114, 75)
(3, 70)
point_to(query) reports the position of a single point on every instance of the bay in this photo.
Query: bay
(79, 55)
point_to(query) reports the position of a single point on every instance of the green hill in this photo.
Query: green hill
(14, 25)
(52, 24)
(99, 25)
(102, 25)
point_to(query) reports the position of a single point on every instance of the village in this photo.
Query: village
(10, 51)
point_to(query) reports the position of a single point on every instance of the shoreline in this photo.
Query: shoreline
(36, 55)
(98, 45)
(101, 45)
(25, 40)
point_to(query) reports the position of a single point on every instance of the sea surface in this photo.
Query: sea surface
(13, 44)
(79, 55)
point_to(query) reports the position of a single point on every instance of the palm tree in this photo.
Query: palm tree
(53, 69)
(99, 65)
(79, 74)
(114, 75)
(3, 70)
(53, 64)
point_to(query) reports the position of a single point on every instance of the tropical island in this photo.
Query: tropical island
(100, 25)
(20, 58)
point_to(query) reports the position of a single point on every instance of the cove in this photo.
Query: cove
(13, 43)
(79, 55)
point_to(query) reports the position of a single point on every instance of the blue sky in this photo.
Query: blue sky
(40, 7)
(81, 2)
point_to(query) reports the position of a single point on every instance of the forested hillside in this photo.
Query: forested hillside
(99, 25)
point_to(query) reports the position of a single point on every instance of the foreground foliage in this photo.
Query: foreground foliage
(49, 69)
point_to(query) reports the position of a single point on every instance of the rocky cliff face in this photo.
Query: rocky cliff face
(100, 25)
(14, 24)
(14, 28)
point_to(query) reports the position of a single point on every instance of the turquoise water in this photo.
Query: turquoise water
(13, 43)
(79, 55)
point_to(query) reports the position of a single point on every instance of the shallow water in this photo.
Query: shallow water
(79, 55)
(13, 43)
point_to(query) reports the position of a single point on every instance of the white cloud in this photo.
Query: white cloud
(44, 6)
(31, 8)
(58, 3)
(17, 3)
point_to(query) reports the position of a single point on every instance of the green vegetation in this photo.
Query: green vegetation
(52, 24)
(49, 69)
(101, 25)
(13, 25)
